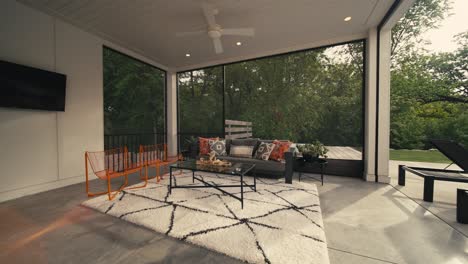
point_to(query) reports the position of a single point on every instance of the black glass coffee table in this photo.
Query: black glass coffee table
(235, 170)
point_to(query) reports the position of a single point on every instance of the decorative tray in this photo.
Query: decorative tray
(218, 163)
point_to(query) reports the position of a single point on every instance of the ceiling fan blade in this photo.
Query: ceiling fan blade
(218, 46)
(209, 13)
(190, 33)
(239, 31)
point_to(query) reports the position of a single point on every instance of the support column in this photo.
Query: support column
(370, 105)
(171, 112)
(377, 116)
(383, 106)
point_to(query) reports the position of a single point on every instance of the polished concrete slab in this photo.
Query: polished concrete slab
(445, 193)
(380, 222)
(364, 223)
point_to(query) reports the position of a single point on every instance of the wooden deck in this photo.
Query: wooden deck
(347, 153)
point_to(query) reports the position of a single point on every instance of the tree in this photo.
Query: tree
(407, 34)
(452, 70)
(133, 95)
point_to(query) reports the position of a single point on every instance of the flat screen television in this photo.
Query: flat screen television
(26, 87)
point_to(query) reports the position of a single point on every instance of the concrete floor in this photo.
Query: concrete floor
(445, 193)
(364, 223)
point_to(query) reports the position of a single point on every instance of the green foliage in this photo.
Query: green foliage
(133, 95)
(201, 102)
(421, 17)
(300, 97)
(429, 96)
(315, 149)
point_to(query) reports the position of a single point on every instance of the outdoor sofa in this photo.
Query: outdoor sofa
(263, 168)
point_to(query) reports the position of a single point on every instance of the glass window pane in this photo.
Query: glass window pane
(200, 103)
(303, 96)
(134, 101)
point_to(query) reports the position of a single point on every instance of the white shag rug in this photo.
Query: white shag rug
(280, 223)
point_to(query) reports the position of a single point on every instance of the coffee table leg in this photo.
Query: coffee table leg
(300, 174)
(242, 190)
(193, 176)
(321, 170)
(255, 179)
(170, 180)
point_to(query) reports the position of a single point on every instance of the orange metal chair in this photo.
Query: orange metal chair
(113, 163)
(156, 156)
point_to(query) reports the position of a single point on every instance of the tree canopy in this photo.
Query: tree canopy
(428, 90)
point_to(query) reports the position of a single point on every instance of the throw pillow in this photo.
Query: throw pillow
(254, 142)
(241, 151)
(218, 146)
(264, 151)
(205, 145)
(280, 147)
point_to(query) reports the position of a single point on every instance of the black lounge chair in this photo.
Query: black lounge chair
(455, 152)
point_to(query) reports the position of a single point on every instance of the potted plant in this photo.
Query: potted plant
(313, 151)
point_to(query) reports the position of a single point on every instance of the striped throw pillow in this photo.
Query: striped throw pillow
(241, 151)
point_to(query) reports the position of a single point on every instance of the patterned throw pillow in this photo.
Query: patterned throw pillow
(264, 151)
(280, 147)
(205, 145)
(218, 146)
(241, 151)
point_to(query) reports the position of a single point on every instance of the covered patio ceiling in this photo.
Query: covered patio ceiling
(149, 27)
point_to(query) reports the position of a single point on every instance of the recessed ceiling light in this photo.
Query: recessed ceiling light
(239, 43)
(347, 19)
(187, 54)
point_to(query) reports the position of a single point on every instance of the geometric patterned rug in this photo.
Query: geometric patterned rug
(280, 223)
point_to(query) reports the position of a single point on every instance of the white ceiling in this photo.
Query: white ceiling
(149, 26)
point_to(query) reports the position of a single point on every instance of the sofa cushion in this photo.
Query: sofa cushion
(204, 144)
(264, 150)
(245, 142)
(241, 151)
(218, 146)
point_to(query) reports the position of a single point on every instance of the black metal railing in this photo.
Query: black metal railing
(133, 141)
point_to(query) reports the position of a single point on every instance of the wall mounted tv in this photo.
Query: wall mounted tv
(31, 88)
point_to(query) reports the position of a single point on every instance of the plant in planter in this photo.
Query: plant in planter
(313, 151)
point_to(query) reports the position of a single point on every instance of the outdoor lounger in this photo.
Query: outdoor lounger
(455, 152)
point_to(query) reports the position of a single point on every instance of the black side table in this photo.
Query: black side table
(301, 163)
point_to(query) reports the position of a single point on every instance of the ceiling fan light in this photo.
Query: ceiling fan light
(238, 43)
(187, 54)
(347, 18)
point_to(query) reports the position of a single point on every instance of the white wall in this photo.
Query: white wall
(42, 150)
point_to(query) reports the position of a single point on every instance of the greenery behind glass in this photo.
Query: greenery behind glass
(303, 96)
(133, 95)
(201, 102)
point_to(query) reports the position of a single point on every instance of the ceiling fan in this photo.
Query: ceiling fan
(214, 30)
